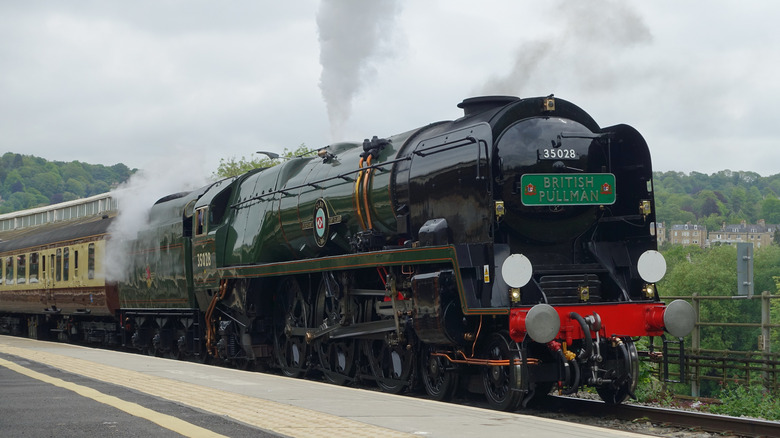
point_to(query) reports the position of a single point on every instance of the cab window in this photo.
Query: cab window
(200, 221)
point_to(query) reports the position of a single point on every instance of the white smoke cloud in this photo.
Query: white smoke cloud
(181, 172)
(586, 46)
(351, 34)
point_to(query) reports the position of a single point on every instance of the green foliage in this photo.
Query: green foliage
(752, 401)
(27, 181)
(774, 316)
(233, 167)
(770, 209)
(713, 272)
(711, 200)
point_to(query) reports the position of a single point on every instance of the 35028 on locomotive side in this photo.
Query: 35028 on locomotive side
(510, 251)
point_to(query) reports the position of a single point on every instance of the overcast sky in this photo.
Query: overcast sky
(150, 83)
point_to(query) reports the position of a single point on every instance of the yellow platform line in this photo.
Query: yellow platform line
(277, 417)
(169, 422)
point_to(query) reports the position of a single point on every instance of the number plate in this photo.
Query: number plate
(568, 189)
(557, 154)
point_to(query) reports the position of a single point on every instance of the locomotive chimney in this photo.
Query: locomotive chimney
(476, 105)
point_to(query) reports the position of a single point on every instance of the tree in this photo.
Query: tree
(48, 183)
(233, 167)
(713, 272)
(76, 187)
(738, 201)
(13, 183)
(708, 204)
(74, 170)
(17, 161)
(676, 209)
(53, 180)
(766, 265)
(770, 210)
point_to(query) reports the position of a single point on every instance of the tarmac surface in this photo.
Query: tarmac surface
(61, 390)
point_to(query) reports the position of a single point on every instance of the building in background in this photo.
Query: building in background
(688, 234)
(759, 234)
(660, 233)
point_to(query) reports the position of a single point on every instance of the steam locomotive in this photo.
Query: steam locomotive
(510, 252)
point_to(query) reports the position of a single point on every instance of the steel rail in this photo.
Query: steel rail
(674, 417)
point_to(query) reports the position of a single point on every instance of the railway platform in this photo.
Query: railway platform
(254, 403)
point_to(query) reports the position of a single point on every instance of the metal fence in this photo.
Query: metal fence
(707, 370)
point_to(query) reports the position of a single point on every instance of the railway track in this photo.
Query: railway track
(717, 424)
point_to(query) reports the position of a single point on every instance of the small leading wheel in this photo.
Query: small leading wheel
(291, 311)
(622, 364)
(500, 380)
(438, 375)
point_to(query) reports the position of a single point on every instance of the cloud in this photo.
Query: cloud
(108, 82)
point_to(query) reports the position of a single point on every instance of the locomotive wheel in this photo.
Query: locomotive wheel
(175, 352)
(499, 381)
(391, 365)
(337, 360)
(623, 365)
(244, 364)
(153, 349)
(290, 311)
(438, 377)
(336, 357)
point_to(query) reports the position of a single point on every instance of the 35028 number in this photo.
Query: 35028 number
(203, 259)
(558, 154)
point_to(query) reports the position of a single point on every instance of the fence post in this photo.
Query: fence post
(695, 347)
(765, 336)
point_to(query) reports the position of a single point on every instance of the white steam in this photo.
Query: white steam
(351, 33)
(136, 197)
(587, 46)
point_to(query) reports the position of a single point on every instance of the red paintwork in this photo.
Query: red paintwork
(620, 319)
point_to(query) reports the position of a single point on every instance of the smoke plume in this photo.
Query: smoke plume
(136, 197)
(351, 33)
(585, 47)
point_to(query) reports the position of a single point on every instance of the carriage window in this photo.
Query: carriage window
(9, 270)
(2, 277)
(75, 264)
(21, 269)
(34, 267)
(58, 266)
(91, 261)
(66, 263)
